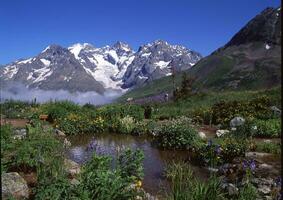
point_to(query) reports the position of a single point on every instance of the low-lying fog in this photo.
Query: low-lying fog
(18, 91)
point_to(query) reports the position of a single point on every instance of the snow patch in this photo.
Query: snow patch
(162, 64)
(11, 71)
(42, 74)
(45, 62)
(45, 49)
(25, 61)
(146, 54)
(76, 49)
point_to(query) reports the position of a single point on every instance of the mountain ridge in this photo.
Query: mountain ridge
(84, 67)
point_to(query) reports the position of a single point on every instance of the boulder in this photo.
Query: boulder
(276, 111)
(60, 133)
(13, 185)
(202, 135)
(72, 168)
(67, 143)
(232, 189)
(264, 189)
(220, 133)
(237, 121)
(20, 134)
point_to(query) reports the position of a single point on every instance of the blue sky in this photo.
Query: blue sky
(28, 26)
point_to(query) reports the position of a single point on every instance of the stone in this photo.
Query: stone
(237, 121)
(220, 133)
(254, 154)
(265, 166)
(72, 168)
(211, 169)
(264, 189)
(67, 143)
(202, 135)
(276, 111)
(74, 181)
(232, 189)
(13, 185)
(20, 134)
(60, 133)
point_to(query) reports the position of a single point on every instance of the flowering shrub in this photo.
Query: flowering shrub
(222, 151)
(268, 128)
(223, 112)
(126, 125)
(75, 123)
(175, 134)
(113, 113)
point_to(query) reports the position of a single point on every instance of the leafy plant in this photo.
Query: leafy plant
(268, 128)
(175, 134)
(130, 163)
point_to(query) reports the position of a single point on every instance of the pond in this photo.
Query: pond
(154, 162)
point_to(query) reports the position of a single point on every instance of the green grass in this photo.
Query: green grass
(206, 100)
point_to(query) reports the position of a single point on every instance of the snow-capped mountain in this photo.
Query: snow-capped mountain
(83, 67)
(156, 60)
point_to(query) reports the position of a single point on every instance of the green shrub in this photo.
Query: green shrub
(177, 135)
(126, 125)
(248, 192)
(7, 146)
(268, 147)
(184, 186)
(112, 113)
(223, 150)
(130, 164)
(268, 128)
(223, 111)
(103, 183)
(16, 109)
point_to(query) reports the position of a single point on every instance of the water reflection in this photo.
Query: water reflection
(155, 160)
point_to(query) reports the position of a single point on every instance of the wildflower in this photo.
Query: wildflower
(252, 165)
(278, 181)
(138, 184)
(209, 142)
(245, 164)
(217, 149)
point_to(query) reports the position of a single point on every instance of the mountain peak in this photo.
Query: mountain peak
(122, 45)
(265, 27)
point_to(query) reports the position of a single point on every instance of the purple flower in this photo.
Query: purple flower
(209, 142)
(278, 181)
(245, 164)
(252, 165)
(217, 149)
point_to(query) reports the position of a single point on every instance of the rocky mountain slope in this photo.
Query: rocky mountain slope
(251, 59)
(83, 67)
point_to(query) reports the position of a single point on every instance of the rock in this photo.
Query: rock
(276, 111)
(265, 166)
(14, 185)
(254, 154)
(264, 189)
(220, 133)
(130, 99)
(237, 121)
(74, 181)
(20, 134)
(267, 141)
(67, 143)
(60, 133)
(72, 168)
(211, 169)
(232, 189)
(202, 135)
(262, 181)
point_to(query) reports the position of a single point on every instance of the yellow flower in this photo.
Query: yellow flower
(138, 184)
